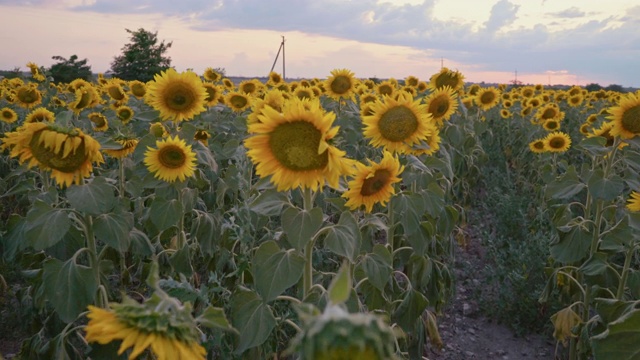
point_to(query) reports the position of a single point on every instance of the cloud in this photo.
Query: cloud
(502, 13)
(572, 12)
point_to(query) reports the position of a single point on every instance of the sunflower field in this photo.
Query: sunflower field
(191, 217)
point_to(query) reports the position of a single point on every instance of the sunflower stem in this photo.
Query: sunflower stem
(121, 177)
(307, 279)
(181, 235)
(625, 272)
(390, 227)
(93, 255)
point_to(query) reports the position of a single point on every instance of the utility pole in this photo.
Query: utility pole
(281, 48)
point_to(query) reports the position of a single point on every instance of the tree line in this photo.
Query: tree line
(141, 58)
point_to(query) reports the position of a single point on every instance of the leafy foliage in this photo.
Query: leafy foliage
(67, 70)
(142, 58)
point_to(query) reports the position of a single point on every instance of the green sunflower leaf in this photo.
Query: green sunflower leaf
(252, 318)
(46, 226)
(70, 287)
(94, 198)
(344, 238)
(276, 270)
(301, 225)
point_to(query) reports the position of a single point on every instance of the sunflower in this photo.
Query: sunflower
(86, 97)
(446, 77)
(551, 125)
(373, 183)
(158, 130)
(125, 114)
(411, 81)
(210, 74)
(237, 101)
(67, 153)
(203, 136)
(293, 147)
(171, 159)
(28, 96)
(633, 204)
(166, 328)
(592, 118)
(557, 142)
(137, 88)
(128, 146)
(526, 111)
(8, 115)
(537, 146)
(549, 111)
(35, 71)
(250, 87)
(341, 84)
(427, 146)
(507, 104)
(385, 88)
(115, 90)
(228, 84)
(505, 114)
(626, 117)
(99, 121)
(575, 100)
(40, 115)
(605, 131)
(398, 123)
(303, 92)
(275, 79)
(528, 91)
(473, 89)
(178, 96)
(441, 104)
(213, 94)
(584, 128)
(487, 98)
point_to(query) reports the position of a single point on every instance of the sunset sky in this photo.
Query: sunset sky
(545, 41)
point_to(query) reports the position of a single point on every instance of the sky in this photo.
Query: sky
(572, 42)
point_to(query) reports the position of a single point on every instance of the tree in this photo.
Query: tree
(10, 74)
(593, 87)
(142, 58)
(615, 87)
(67, 70)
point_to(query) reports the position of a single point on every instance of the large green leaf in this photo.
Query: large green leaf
(410, 310)
(252, 318)
(344, 238)
(571, 246)
(94, 198)
(408, 209)
(269, 203)
(213, 317)
(605, 188)
(565, 186)
(621, 338)
(377, 266)
(206, 231)
(45, 226)
(595, 145)
(70, 287)
(165, 213)
(13, 239)
(300, 225)
(276, 270)
(181, 261)
(341, 285)
(113, 229)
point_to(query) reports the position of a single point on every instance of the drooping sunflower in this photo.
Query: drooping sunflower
(487, 98)
(99, 121)
(86, 97)
(441, 104)
(446, 77)
(398, 123)
(67, 153)
(210, 74)
(28, 96)
(557, 142)
(168, 331)
(125, 114)
(626, 117)
(633, 203)
(128, 146)
(172, 159)
(115, 90)
(373, 183)
(341, 84)
(237, 101)
(537, 146)
(214, 92)
(584, 129)
(203, 136)
(35, 71)
(40, 115)
(292, 146)
(137, 88)
(178, 96)
(8, 115)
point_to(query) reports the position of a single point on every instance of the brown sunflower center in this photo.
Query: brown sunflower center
(631, 119)
(385, 90)
(295, 146)
(557, 142)
(138, 90)
(125, 114)
(7, 115)
(487, 97)
(47, 156)
(179, 96)
(439, 106)
(249, 88)
(372, 185)
(538, 145)
(238, 101)
(172, 157)
(398, 123)
(551, 125)
(341, 84)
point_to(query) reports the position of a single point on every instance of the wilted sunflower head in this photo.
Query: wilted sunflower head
(115, 90)
(8, 115)
(40, 115)
(127, 146)
(172, 159)
(86, 97)
(446, 77)
(203, 136)
(67, 153)
(177, 96)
